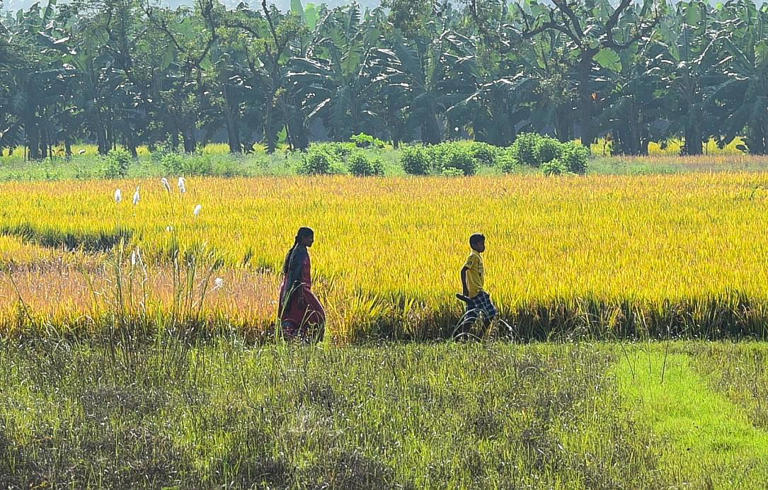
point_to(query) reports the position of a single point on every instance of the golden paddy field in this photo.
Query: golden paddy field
(598, 256)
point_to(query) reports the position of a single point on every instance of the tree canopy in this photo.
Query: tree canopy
(134, 72)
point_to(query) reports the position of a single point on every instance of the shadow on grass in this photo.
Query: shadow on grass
(100, 241)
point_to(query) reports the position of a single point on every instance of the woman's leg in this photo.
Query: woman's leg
(314, 315)
(289, 330)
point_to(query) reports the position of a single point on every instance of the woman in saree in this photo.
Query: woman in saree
(300, 311)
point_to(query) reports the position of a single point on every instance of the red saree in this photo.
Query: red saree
(300, 308)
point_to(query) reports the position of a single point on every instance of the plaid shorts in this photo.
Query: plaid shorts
(481, 304)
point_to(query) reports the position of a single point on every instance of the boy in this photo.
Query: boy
(472, 278)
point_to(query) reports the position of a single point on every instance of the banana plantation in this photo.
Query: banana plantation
(132, 72)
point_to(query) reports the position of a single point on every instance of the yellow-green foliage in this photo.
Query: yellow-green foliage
(142, 151)
(216, 149)
(673, 147)
(388, 251)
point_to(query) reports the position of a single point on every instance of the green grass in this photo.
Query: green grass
(739, 374)
(644, 165)
(443, 415)
(706, 439)
(91, 166)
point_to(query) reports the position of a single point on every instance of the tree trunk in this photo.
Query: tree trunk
(43, 143)
(233, 129)
(629, 133)
(693, 135)
(131, 144)
(756, 138)
(101, 140)
(97, 123)
(586, 104)
(233, 136)
(175, 140)
(430, 129)
(645, 140)
(190, 145)
(32, 131)
(67, 146)
(301, 140)
(111, 135)
(563, 124)
(270, 131)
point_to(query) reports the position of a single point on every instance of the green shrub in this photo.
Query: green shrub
(318, 161)
(437, 156)
(554, 167)
(535, 150)
(452, 172)
(415, 160)
(363, 140)
(230, 169)
(172, 163)
(484, 153)
(507, 163)
(575, 157)
(116, 164)
(360, 165)
(547, 149)
(378, 166)
(523, 150)
(161, 151)
(457, 156)
(339, 150)
(197, 165)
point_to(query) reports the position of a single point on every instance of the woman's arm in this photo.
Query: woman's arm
(296, 265)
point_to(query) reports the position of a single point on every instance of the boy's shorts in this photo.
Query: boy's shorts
(481, 304)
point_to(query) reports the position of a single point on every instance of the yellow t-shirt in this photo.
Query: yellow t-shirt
(475, 274)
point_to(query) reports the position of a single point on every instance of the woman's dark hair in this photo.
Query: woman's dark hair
(303, 233)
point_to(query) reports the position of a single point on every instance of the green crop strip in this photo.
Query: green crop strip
(705, 438)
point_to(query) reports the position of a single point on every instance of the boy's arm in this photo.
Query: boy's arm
(465, 289)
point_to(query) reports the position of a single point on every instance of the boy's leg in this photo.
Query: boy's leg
(466, 322)
(486, 305)
(490, 312)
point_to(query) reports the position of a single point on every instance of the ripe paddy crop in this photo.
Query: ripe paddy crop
(600, 256)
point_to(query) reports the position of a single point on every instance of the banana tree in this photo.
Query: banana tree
(334, 81)
(272, 39)
(39, 79)
(482, 97)
(690, 71)
(596, 31)
(189, 36)
(9, 128)
(416, 63)
(740, 100)
(634, 111)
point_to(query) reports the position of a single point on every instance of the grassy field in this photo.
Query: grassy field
(215, 160)
(595, 257)
(409, 416)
